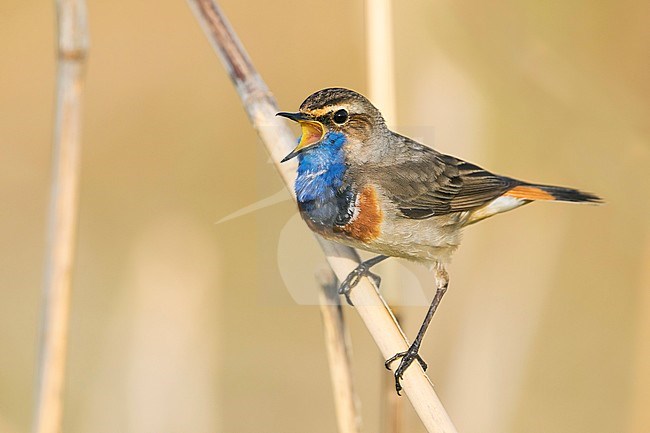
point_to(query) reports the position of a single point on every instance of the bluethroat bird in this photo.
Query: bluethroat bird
(365, 186)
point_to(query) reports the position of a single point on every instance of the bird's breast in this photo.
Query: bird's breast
(321, 190)
(365, 217)
(352, 218)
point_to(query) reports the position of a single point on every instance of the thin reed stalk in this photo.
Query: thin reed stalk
(380, 60)
(62, 217)
(337, 343)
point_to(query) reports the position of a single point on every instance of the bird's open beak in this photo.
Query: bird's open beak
(312, 132)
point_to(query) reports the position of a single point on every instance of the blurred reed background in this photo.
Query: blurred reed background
(181, 324)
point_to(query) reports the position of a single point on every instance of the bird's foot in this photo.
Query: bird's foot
(353, 278)
(408, 357)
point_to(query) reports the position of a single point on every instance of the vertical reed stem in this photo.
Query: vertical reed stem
(62, 217)
(380, 58)
(337, 342)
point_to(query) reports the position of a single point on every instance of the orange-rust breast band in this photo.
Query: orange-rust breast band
(367, 224)
(526, 192)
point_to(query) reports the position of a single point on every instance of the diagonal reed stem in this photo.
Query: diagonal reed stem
(276, 136)
(62, 218)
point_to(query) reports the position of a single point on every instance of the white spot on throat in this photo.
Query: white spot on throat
(315, 175)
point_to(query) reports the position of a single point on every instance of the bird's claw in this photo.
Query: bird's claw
(408, 357)
(353, 278)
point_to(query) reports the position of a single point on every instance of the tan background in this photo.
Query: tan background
(183, 325)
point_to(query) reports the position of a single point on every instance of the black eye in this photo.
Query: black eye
(340, 117)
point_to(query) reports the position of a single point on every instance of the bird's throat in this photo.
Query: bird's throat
(320, 181)
(321, 169)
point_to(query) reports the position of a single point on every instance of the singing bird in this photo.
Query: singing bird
(363, 185)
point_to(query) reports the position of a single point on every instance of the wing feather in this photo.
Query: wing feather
(429, 184)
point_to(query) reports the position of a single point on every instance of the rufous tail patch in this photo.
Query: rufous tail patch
(526, 192)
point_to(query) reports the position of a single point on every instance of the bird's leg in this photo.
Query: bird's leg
(442, 281)
(363, 270)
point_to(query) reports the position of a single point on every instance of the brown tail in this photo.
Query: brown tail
(547, 192)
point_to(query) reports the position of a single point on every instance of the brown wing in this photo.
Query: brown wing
(429, 183)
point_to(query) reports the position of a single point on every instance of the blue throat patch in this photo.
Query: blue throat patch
(321, 170)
